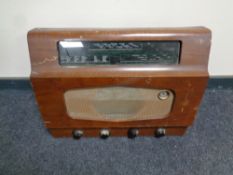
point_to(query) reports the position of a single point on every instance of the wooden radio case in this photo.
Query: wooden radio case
(119, 82)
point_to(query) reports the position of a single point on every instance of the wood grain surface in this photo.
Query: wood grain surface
(187, 80)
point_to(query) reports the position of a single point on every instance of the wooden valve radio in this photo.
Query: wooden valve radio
(119, 82)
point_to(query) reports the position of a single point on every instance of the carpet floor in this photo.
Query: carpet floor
(27, 148)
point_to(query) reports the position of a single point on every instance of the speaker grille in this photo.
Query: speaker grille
(118, 103)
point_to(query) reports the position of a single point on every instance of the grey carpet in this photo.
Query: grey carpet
(27, 148)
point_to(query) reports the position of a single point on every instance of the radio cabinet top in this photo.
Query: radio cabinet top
(126, 52)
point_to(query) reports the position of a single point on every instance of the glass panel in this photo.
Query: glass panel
(77, 53)
(118, 103)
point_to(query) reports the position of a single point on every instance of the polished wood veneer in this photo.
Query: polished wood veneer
(187, 80)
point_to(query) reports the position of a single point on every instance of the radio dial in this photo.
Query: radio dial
(77, 134)
(104, 133)
(132, 133)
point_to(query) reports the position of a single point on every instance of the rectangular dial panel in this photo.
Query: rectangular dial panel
(78, 53)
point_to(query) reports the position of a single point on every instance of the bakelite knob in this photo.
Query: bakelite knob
(160, 132)
(104, 133)
(77, 134)
(133, 132)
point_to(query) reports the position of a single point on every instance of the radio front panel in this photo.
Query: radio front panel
(119, 82)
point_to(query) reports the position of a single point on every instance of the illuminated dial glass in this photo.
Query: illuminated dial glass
(73, 52)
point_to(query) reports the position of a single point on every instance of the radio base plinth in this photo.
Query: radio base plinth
(170, 131)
